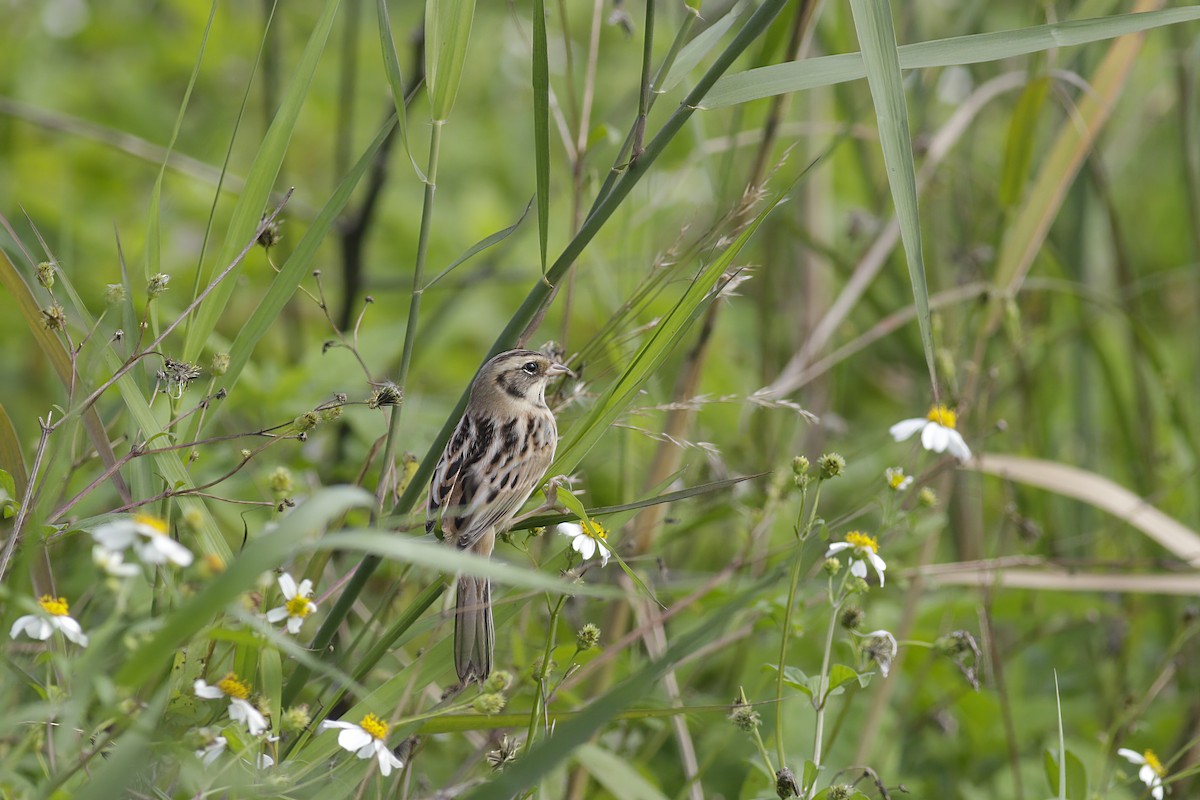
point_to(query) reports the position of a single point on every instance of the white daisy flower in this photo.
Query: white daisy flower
(211, 751)
(56, 618)
(880, 646)
(896, 480)
(297, 604)
(864, 549)
(365, 740)
(240, 709)
(147, 535)
(938, 432)
(113, 562)
(587, 542)
(1152, 771)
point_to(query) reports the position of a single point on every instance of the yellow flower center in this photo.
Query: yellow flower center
(862, 542)
(1153, 763)
(152, 522)
(374, 726)
(596, 531)
(233, 686)
(895, 477)
(54, 607)
(942, 416)
(298, 606)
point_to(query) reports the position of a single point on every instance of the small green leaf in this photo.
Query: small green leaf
(1077, 782)
(1021, 135)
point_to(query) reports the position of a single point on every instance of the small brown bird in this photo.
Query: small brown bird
(492, 463)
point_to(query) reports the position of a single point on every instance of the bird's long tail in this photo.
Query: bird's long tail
(474, 636)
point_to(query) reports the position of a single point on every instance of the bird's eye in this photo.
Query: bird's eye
(530, 368)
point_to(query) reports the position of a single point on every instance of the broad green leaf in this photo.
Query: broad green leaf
(840, 675)
(447, 33)
(443, 558)
(260, 180)
(616, 774)
(262, 554)
(1077, 782)
(873, 21)
(795, 76)
(541, 123)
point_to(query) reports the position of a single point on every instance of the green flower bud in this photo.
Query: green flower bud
(296, 719)
(306, 421)
(799, 465)
(489, 703)
(114, 293)
(832, 566)
(498, 681)
(220, 364)
(281, 482)
(157, 284)
(587, 637)
(831, 465)
(45, 274)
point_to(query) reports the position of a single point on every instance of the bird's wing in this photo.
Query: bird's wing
(488, 478)
(445, 490)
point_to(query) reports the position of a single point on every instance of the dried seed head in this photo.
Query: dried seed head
(504, 754)
(852, 617)
(270, 235)
(387, 394)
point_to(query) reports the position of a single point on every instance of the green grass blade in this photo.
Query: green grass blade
(1022, 133)
(440, 557)
(447, 33)
(877, 37)
(695, 50)
(152, 260)
(796, 76)
(259, 182)
(265, 553)
(298, 264)
(480, 246)
(584, 434)
(616, 774)
(11, 459)
(541, 123)
(391, 64)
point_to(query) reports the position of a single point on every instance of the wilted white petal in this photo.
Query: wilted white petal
(33, 626)
(907, 427)
(934, 438)
(202, 689)
(241, 711)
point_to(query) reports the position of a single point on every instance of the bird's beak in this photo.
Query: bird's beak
(558, 369)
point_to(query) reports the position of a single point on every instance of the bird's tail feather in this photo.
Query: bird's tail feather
(474, 636)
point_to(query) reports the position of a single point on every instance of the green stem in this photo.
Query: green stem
(369, 564)
(822, 693)
(541, 699)
(783, 643)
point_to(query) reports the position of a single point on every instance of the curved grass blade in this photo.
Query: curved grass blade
(259, 182)
(439, 557)
(694, 51)
(481, 245)
(796, 76)
(877, 38)
(391, 64)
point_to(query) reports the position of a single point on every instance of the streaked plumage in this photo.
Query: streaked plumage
(492, 463)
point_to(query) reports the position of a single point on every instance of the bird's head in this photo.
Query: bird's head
(518, 376)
